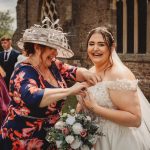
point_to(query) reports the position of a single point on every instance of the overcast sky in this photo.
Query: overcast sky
(11, 6)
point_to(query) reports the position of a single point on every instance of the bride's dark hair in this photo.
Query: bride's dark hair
(108, 38)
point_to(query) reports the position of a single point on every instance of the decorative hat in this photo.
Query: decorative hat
(48, 35)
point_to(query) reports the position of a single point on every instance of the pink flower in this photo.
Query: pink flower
(33, 82)
(23, 111)
(53, 119)
(65, 131)
(35, 144)
(4, 133)
(39, 124)
(18, 145)
(11, 114)
(33, 89)
(18, 79)
(27, 132)
(83, 133)
(16, 97)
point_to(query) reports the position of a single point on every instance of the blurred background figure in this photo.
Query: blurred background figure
(23, 56)
(8, 57)
(4, 97)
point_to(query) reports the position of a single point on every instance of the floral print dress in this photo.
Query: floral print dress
(24, 127)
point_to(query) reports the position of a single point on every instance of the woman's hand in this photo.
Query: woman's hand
(56, 94)
(85, 75)
(91, 78)
(78, 88)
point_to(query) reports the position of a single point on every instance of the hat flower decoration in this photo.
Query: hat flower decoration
(49, 35)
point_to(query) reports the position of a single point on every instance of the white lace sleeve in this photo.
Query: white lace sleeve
(123, 85)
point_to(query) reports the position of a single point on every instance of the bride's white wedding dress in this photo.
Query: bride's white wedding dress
(118, 137)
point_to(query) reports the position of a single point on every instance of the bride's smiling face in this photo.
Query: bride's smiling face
(97, 49)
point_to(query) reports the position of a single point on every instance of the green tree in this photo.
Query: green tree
(6, 23)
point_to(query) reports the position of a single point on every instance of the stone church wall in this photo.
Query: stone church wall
(77, 17)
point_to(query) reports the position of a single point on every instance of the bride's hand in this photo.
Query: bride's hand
(88, 101)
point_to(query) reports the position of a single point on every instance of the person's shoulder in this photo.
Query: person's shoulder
(1, 55)
(120, 73)
(26, 68)
(16, 51)
(1, 52)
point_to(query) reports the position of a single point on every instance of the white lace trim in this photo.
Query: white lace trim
(123, 84)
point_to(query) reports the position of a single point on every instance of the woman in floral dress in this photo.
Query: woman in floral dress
(38, 89)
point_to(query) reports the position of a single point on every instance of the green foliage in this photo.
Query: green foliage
(6, 23)
(70, 103)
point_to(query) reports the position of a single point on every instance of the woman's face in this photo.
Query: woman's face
(98, 50)
(48, 55)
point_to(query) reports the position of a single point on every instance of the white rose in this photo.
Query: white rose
(58, 144)
(88, 118)
(76, 144)
(77, 128)
(72, 111)
(70, 120)
(69, 139)
(59, 125)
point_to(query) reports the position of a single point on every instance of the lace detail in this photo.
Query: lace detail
(100, 91)
(114, 132)
(123, 85)
(101, 94)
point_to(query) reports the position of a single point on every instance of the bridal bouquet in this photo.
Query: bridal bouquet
(73, 131)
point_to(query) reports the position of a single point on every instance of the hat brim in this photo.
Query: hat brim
(62, 52)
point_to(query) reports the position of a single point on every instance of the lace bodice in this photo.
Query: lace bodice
(100, 91)
(112, 130)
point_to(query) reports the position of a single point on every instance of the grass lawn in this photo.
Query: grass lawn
(70, 103)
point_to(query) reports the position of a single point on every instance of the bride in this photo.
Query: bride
(117, 103)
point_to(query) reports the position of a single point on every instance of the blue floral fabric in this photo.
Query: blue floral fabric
(24, 127)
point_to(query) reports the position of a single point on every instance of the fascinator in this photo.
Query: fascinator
(49, 35)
